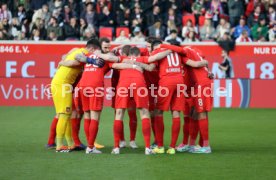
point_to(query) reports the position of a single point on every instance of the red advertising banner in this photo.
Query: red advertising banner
(31, 92)
(26, 70)
(244, 93)
(25, 92)
(248, 61)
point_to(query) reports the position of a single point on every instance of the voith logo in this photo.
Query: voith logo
(26, 69)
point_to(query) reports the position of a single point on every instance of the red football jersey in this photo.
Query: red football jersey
(170, 68)
(187, 79)
(125, 74)
(92, 75)
(115, 77)
(199, 76)
(144, 52)
(116, 73)
(153, 76)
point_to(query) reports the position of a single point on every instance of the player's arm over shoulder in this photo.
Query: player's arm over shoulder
(174, 48)
(69, 63)
(159, 56)
(107, 57)
(120, 66)
(144, 64)
(73, 62)
(64, 56)
(195, 64)
(72, 50)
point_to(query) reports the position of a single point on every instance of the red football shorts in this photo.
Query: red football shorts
(91, 101)
(113, 99)
(125, 93)
(169, 99)
(131, 103)
(152, 100)
(188, 104)
(204, 100)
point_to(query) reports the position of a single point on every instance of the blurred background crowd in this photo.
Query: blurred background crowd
(224, 21)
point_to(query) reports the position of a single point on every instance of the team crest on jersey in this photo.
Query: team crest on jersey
(68, 109)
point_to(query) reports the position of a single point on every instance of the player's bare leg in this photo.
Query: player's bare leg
(159, 127)
(146, 128)
(93, 131)
(117, 129)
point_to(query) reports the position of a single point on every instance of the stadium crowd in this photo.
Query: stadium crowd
(178, 20)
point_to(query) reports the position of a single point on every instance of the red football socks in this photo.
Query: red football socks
(146, 131)
(186, 129)
(153, 129)
(75, 131)
(122, 137)
(193, 131)
(200, 142)
(52, 135)
(175, 131)
(117, 131)
(204, 131)
(86, 128)
(93, 131)
(132, 124)
(159, 127)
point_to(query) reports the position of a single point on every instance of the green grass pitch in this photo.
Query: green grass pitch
(243, 143)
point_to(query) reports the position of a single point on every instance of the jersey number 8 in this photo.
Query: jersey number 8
(200, 103)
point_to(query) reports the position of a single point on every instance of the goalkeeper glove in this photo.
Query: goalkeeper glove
(85, 59)
(96, 61)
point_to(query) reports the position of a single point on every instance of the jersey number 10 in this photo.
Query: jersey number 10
(173, 59)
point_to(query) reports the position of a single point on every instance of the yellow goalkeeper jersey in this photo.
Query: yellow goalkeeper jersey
(69, 75)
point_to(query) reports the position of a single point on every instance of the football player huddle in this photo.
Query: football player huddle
(160, 77)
